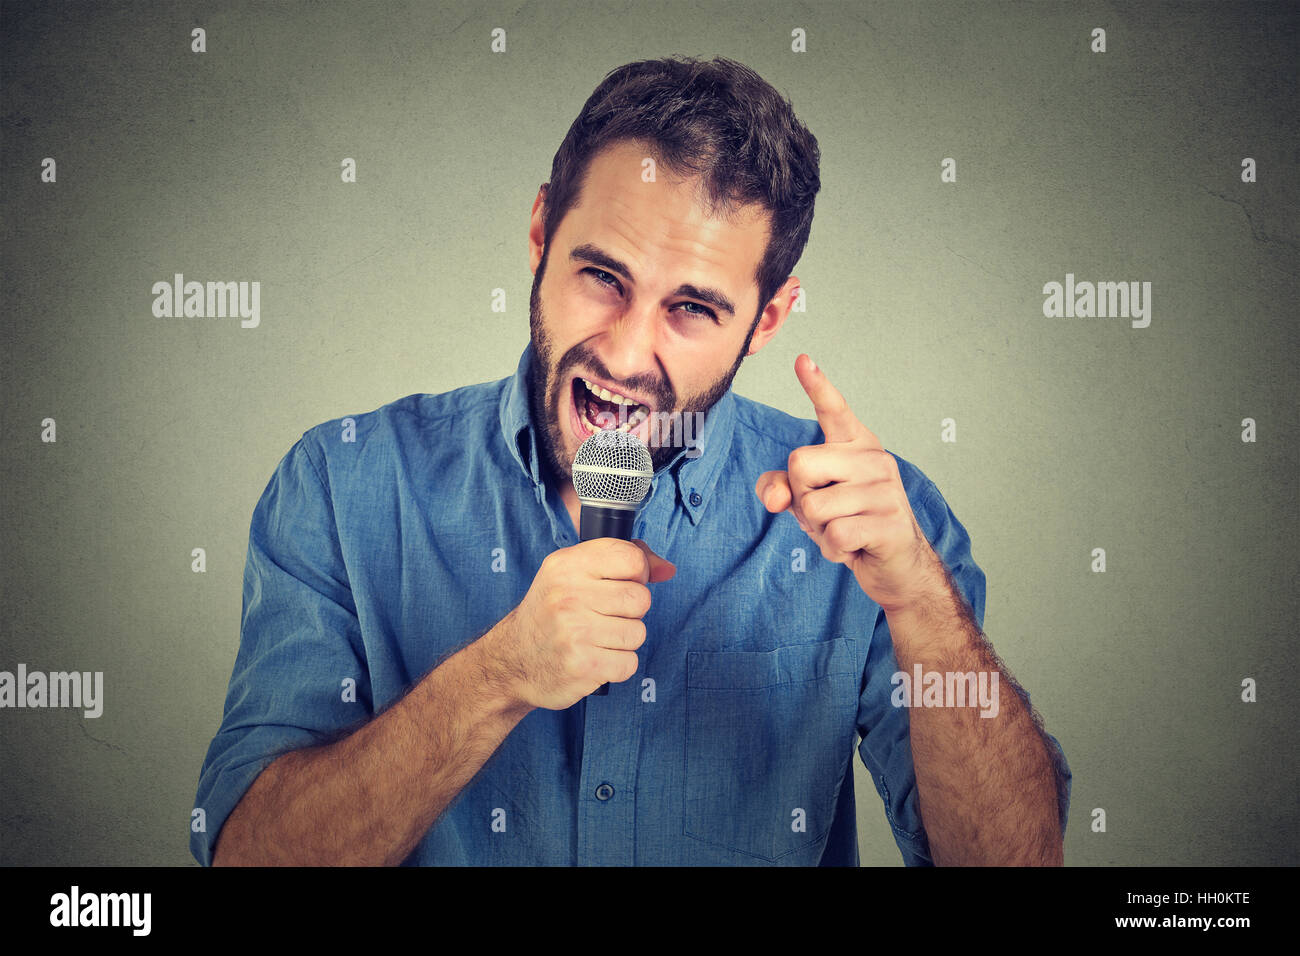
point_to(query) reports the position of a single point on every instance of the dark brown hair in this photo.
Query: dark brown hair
(715, 119)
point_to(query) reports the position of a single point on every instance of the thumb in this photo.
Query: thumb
(773, 489)
(661, 569)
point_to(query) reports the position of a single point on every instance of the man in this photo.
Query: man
(422, 628)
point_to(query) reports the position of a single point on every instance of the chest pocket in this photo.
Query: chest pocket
(768, 733)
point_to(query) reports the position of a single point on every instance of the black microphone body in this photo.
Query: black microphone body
(599, 521)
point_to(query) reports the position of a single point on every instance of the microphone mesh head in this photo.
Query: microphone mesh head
(612, 467)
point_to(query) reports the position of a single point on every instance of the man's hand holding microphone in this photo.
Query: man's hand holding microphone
(580, 624)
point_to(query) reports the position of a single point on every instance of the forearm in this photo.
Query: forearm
(369, 798)
(986, 784)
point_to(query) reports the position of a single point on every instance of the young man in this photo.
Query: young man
(422, 627)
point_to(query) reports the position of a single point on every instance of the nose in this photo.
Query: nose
(631, 343)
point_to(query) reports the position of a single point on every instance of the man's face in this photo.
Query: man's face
(610, 304)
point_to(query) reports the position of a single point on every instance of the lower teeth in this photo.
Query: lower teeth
(596, 414)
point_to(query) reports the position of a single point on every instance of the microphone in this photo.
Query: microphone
(611, 476)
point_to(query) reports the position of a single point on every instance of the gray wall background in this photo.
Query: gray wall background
(924, 302)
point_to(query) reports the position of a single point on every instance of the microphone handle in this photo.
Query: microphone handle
(599, 522)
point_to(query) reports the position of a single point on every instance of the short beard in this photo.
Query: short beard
(549, 432)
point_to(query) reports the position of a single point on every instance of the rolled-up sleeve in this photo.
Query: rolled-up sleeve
(300, 676)
(886, 749)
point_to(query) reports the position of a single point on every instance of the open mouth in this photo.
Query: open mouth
(596, 409)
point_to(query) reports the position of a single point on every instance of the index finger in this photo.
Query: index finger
(833, 413)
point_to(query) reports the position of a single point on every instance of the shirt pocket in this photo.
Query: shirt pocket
(768, 734)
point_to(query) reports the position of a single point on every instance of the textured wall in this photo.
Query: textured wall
(925, 302)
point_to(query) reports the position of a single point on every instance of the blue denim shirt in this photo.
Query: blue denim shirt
(372, 560)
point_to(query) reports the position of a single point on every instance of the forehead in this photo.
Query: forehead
(661, 229)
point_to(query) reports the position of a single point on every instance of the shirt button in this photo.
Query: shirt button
(696, 499)
(604, 792)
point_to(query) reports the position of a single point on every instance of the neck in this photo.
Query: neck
(565, 487)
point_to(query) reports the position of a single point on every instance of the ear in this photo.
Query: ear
(774, 314)
(536, 232)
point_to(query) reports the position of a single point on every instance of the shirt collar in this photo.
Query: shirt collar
(693, 471)
(516, 427)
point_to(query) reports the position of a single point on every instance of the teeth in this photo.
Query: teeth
(607, 395)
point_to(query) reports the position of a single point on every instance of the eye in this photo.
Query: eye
(597, 273)
(704, 313)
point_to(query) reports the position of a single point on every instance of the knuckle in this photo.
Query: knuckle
(561, 603)
(883, 460)
(639, 600)
(547, 602)
(625, 559)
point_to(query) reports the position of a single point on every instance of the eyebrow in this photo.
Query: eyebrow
(589, 253)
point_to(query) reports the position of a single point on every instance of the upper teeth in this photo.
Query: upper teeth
(609, 396)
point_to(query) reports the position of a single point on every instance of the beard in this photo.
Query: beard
(547, 378)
